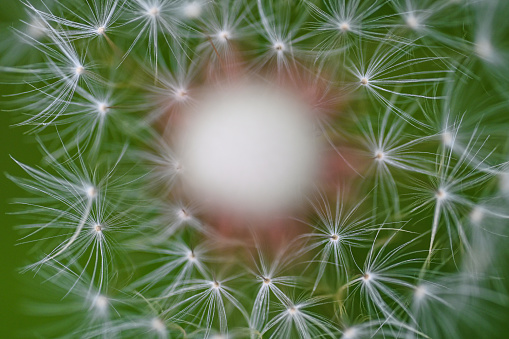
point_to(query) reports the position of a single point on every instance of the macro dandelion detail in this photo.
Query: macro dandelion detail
(255, 169)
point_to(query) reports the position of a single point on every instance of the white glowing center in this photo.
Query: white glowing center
(250, 148)
(192, 10)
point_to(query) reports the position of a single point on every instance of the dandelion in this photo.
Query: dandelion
(205, 299)
(178, 257)
(391, 152)
(174, 218)
(295, 319)
(489, 45)
(149, 324)
(337, 231)
(280, 51)
(225, 30)
(427, 20)
(269, 279)
(341, 24)
(165, 166)
(95, 243)
(73, 199)
(172, 92)
(92, 21)
(157, 19)
(95, 111)
(55, 82)
(379, 328)
(384, 272)
(85, 305)
(389, 69)
(165, 124)
(451, 179)
(435, 298)
(193, 9)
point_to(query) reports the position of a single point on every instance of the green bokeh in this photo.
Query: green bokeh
(13, 142)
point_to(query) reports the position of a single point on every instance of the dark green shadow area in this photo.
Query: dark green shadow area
(13, 142)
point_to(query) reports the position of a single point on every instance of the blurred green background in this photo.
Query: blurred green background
(13, 142)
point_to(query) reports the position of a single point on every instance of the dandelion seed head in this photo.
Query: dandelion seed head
(412, 22)
(192, 9)
(279, 47)
(91, 192)
(183, 214)
(102, 108)
(334, 238)
(181, 94)
(224, 35)
(177, 167)
(215, 285)
(476, 215)
(441, 194)
(191, 256)
(350, 333)
(367, 277)
(344, 26)
(98, 228)
(79, 70)
(504, 182)
(379, 156)
(420, 292)
(293, 310)
(36, 29)
(484, 49)
(364, 81)
(447, 138)
(158, 325)
(266, 280)
(154, 12)
(101, 30)
(101, 303)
